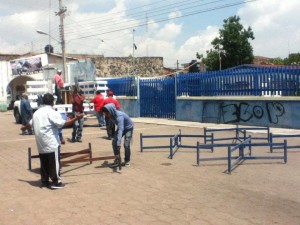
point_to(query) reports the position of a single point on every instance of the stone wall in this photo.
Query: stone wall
(123, 66)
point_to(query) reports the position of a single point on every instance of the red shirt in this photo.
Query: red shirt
(58, 81)
(110, 99)
(98, 101)
(77, 102)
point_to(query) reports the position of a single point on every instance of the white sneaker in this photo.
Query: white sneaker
(57, 186)
(126, 164)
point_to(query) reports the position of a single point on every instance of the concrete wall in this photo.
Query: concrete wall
(254, 111)
(4, 78)
(282, 112)
(130, 105)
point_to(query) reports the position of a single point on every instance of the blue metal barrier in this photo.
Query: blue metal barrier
(234, 161)
(143, 147)
(175, 142)
(275, 136)
(243, 156)
(239, 133)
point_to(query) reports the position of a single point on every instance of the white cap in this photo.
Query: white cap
(59, 71)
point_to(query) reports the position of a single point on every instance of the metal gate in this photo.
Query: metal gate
(157, 97)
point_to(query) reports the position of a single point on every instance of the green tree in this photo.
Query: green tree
(277, 61)
(232, 47)
(293, 59)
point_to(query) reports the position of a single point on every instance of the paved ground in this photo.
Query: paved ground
(154, 190)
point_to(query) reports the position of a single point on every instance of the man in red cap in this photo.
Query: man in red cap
(59, 85)
(98, 101)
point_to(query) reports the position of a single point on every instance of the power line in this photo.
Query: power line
(159, 14)
(164, 20)
(156, 15)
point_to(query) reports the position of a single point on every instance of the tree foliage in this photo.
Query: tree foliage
(232, 46)
(293, 59)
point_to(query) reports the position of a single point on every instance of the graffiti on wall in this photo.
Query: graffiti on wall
(245, 111)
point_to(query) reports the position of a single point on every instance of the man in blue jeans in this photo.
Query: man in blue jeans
(26, 114)
(124, 128)
(77, 99)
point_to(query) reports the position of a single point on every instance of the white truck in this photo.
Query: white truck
(35, 90)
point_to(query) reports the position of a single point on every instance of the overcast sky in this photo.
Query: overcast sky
(172, 29)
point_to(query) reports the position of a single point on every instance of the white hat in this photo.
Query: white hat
(59, 71)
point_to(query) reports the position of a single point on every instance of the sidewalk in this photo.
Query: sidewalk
(154, 190)
(171, 122)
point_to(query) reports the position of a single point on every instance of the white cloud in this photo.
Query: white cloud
(199, 43)
(169, 32)
(174, 14)
(275, 25)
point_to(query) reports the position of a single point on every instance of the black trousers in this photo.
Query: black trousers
(110, 127)
(50, 167)
(57, 92)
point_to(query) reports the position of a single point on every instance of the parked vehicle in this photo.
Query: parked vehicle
(36, 89)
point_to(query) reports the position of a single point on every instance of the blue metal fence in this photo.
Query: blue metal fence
(244, 80)
(126, 86)
(157, 97)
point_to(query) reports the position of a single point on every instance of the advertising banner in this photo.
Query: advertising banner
(26, 66)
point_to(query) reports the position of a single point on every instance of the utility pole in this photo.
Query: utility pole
(133, 48)
(220, 60)
(49, 31)
(61, 14)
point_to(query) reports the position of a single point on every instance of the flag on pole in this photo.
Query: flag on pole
(134, 46)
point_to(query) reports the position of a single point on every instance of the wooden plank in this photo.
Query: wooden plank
(84, 159)
(69, 154)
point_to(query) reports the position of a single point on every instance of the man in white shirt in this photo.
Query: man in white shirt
(46, 122)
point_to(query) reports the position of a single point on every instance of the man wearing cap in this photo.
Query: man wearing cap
(98, 101)
(59, 85)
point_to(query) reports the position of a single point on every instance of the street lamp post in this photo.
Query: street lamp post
(133, 47)
(44, 33)
(63, 52)
(220, 59)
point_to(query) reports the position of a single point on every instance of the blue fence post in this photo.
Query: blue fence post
(285, 151)
(229, 159)
(198, 153)
(212, 142)
(171, 149)
(271, 141)
(141, 142)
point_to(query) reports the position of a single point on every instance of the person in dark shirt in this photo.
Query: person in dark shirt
(77, 100)
(110, 126)
(26, 114)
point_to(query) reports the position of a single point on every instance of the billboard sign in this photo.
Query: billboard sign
(26, 66)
